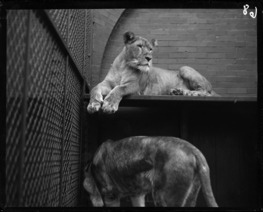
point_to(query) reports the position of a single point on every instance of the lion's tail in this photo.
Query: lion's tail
(204, 175)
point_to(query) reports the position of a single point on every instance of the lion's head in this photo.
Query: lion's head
(138, 51)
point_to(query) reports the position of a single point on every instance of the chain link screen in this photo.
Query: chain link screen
(43, 107)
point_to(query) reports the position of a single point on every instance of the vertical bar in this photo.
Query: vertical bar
(82, 111)
(63, 132)
(3, 145)
(183, 119)
(84, 49)
(90, 53)
(67, 43)
(24, 112)
(64, 117)
(259, 92)
(81, 140)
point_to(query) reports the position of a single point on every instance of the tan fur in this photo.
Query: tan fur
(169, 168)
(132, 73)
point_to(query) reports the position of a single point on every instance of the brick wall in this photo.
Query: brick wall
(103, 22)
(220, 43)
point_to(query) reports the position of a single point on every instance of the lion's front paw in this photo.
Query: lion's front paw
(93, 107)
(176, 91)
(109, 107)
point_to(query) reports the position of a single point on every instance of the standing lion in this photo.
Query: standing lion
(132, 73)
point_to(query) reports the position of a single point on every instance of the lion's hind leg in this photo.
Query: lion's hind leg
(172, 195)
(138, 201)
(193, 194)
(197, 84)
(177, 91)
(186, 92)
(197, 93)
(175, 190)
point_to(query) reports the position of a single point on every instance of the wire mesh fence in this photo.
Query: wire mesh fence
(46, 71)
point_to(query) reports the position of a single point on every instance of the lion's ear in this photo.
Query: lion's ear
(128, 37)
(154, 42)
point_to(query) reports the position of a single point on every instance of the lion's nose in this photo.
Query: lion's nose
(148, 58)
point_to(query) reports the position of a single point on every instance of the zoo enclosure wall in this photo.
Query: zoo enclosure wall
(47, 63)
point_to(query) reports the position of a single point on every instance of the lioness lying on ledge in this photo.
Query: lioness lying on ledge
(169, 168)
(132, 72)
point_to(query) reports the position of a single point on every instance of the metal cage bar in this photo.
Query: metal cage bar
(15, 66)
(25, 87)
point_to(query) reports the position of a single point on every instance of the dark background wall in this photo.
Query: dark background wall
(220, 43)
(226, 133)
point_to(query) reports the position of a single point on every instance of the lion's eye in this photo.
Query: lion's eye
(139, 45)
